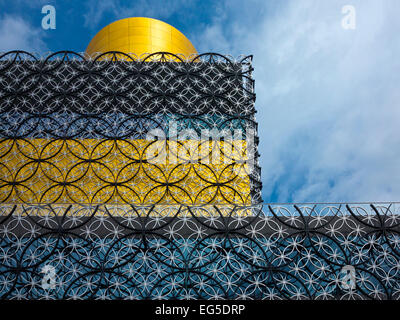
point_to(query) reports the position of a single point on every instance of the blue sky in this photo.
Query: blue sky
(328, 98)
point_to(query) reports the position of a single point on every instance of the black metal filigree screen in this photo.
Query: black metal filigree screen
(120, 130)
(304, 251)
(138, 178)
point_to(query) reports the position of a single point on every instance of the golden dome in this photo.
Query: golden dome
(140, 36)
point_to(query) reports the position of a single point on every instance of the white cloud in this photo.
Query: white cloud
(17, 34)
(328, 98)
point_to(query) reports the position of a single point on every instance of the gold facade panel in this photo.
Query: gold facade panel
(119, 24)
(139, 39)
(158, 35)
(156, 25)
(139, 22)
(101, 41)
(117, 34)
(139, 32)
(121, 42)
(139, 36)
(138, 48)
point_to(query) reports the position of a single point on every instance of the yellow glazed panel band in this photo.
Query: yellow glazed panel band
(124, 171)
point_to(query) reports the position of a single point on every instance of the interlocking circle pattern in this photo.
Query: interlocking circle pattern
(87, 213)
(76, 130)
(200, 252)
